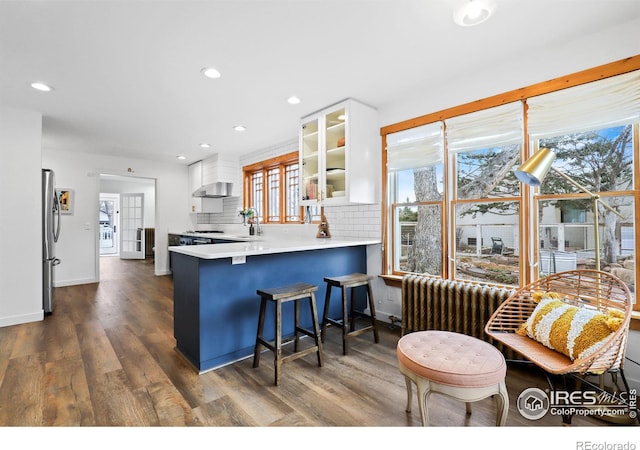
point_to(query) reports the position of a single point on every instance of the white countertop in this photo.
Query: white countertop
(264, 246)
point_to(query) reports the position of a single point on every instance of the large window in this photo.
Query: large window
(273, 189)
(465, 215)
(590, 128)
(484, 148)
(416, 193)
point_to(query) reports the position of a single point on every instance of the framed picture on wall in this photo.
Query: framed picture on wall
(66, 200)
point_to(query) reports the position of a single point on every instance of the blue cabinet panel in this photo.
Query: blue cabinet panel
(216, 306)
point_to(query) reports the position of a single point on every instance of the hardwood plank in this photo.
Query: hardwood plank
(8, 337)
(29, 340)
(68, 402)
(138, 364)
(170, 406)
(196, 389)
(22, 396)
(60, 339)
(240, 385)
(97, 353)
(115, 403)
(223, 412)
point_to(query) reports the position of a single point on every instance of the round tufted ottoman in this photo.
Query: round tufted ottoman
(453, 364)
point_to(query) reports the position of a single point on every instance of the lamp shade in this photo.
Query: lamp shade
(533, 170)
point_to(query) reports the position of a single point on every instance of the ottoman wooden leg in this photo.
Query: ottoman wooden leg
(408, 382)
(502, 403)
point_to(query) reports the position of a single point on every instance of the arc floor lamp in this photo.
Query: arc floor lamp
(535, 169)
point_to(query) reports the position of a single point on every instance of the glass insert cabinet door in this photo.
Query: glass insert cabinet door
(310, 159)
(335, 154)
(324, 156)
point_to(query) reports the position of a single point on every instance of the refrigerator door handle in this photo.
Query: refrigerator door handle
(58, 208)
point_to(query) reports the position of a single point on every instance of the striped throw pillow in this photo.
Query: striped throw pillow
(576, 332)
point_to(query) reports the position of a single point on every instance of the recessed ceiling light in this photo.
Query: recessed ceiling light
(293, 100)
(210, 72)
(240, 128)
(473, 12)
(205, 145)
(41, 86)
(181, 157)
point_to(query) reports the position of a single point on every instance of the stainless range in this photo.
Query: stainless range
(188, 239)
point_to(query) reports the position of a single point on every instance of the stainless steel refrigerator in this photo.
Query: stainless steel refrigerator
(50, 234)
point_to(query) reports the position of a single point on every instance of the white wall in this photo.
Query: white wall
(20, 217)
(78, 245)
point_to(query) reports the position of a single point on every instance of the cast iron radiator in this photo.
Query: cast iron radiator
(430, 303)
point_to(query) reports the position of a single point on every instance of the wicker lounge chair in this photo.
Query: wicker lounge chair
(588, 288)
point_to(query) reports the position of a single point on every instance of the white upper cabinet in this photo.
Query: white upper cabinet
(340, 155)
(195, 182)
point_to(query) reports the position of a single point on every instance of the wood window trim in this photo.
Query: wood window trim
(272, 163)
(604, 71)
(556, 84)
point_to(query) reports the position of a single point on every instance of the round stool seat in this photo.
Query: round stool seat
(451, 358)
(453, 364)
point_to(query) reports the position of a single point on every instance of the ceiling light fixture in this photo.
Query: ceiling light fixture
(210, 72)
(293, 100)
(240, 128)
(468, 13)
(205, 145)
(181, 157)
(41, 86)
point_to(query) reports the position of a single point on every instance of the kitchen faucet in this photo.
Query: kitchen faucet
(258, 227)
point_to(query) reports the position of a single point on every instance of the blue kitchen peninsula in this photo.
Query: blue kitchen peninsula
(215, 302)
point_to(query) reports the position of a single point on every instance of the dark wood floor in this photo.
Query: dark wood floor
(106, 357)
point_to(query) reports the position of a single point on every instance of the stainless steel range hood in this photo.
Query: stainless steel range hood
(214, 190)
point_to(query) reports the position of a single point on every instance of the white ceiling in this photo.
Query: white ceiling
(127, 73)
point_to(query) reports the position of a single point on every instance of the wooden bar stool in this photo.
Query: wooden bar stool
(294, 292)
(352, 281)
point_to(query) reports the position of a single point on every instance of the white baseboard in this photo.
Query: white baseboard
(22, 318)
(61, 283)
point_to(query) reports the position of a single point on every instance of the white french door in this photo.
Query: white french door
(132, 226)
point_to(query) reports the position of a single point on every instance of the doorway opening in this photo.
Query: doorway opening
(126, 219)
